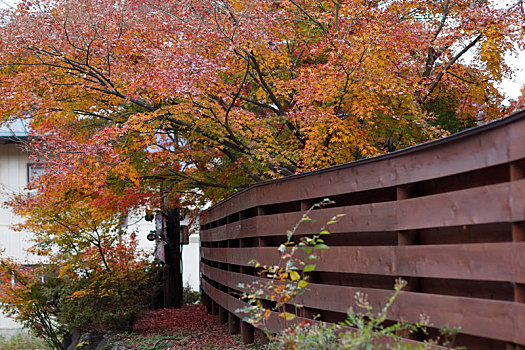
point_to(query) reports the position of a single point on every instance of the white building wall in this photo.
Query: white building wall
(191, 262)
(13, 179)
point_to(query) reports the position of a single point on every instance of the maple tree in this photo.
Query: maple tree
(215, 95)
(519, 103)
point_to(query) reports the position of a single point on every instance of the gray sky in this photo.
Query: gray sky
(6, 3)
(510, 87)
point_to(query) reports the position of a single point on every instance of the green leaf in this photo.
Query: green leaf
(302, 284)
(324, 232)
(321, 246)
(307, 219)
(309, 268)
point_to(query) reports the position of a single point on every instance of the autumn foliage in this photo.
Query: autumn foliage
(210, 96)
(200, 330)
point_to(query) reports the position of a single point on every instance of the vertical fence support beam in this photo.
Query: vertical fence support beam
(207, 302)
(242, 244)
(264, 241)
(305, 205)
(406, 191)
(233, 323)
(517, 172)
(247, 332)
(409, 237)
(307, 312)
(518, 235)
(223, 315)
(519, 293)
(214, 308)
(260, 337)
(518, 231)
(511, 346)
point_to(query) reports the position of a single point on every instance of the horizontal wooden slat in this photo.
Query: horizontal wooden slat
(466, 207)
(488, 204)
(516, 130)
(480, 261)
(478, 317)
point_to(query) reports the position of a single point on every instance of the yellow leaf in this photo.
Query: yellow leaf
(287, 316)
(294, 276)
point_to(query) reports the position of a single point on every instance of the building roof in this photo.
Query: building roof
(14, 131)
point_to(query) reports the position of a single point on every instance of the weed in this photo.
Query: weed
(189, 296)
(363, 329)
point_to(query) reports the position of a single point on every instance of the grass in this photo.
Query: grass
(22, 341)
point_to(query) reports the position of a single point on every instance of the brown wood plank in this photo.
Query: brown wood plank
(516, 131)
(359, 218)
(517, 200)
(487, 204)
(238, 229)
(480, 261)
(472, 206)
(478, 317)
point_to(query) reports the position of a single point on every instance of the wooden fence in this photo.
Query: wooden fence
(447, 216)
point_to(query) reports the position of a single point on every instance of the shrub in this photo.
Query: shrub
(51, 300)
(107, 302)
(189, 296)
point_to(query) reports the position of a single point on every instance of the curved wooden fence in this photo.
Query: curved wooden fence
(447, 216)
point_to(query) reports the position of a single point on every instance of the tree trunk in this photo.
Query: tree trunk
(172, 269)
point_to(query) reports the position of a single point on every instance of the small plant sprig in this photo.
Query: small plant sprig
(289, 277)
(370, 326)
(363, 330)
